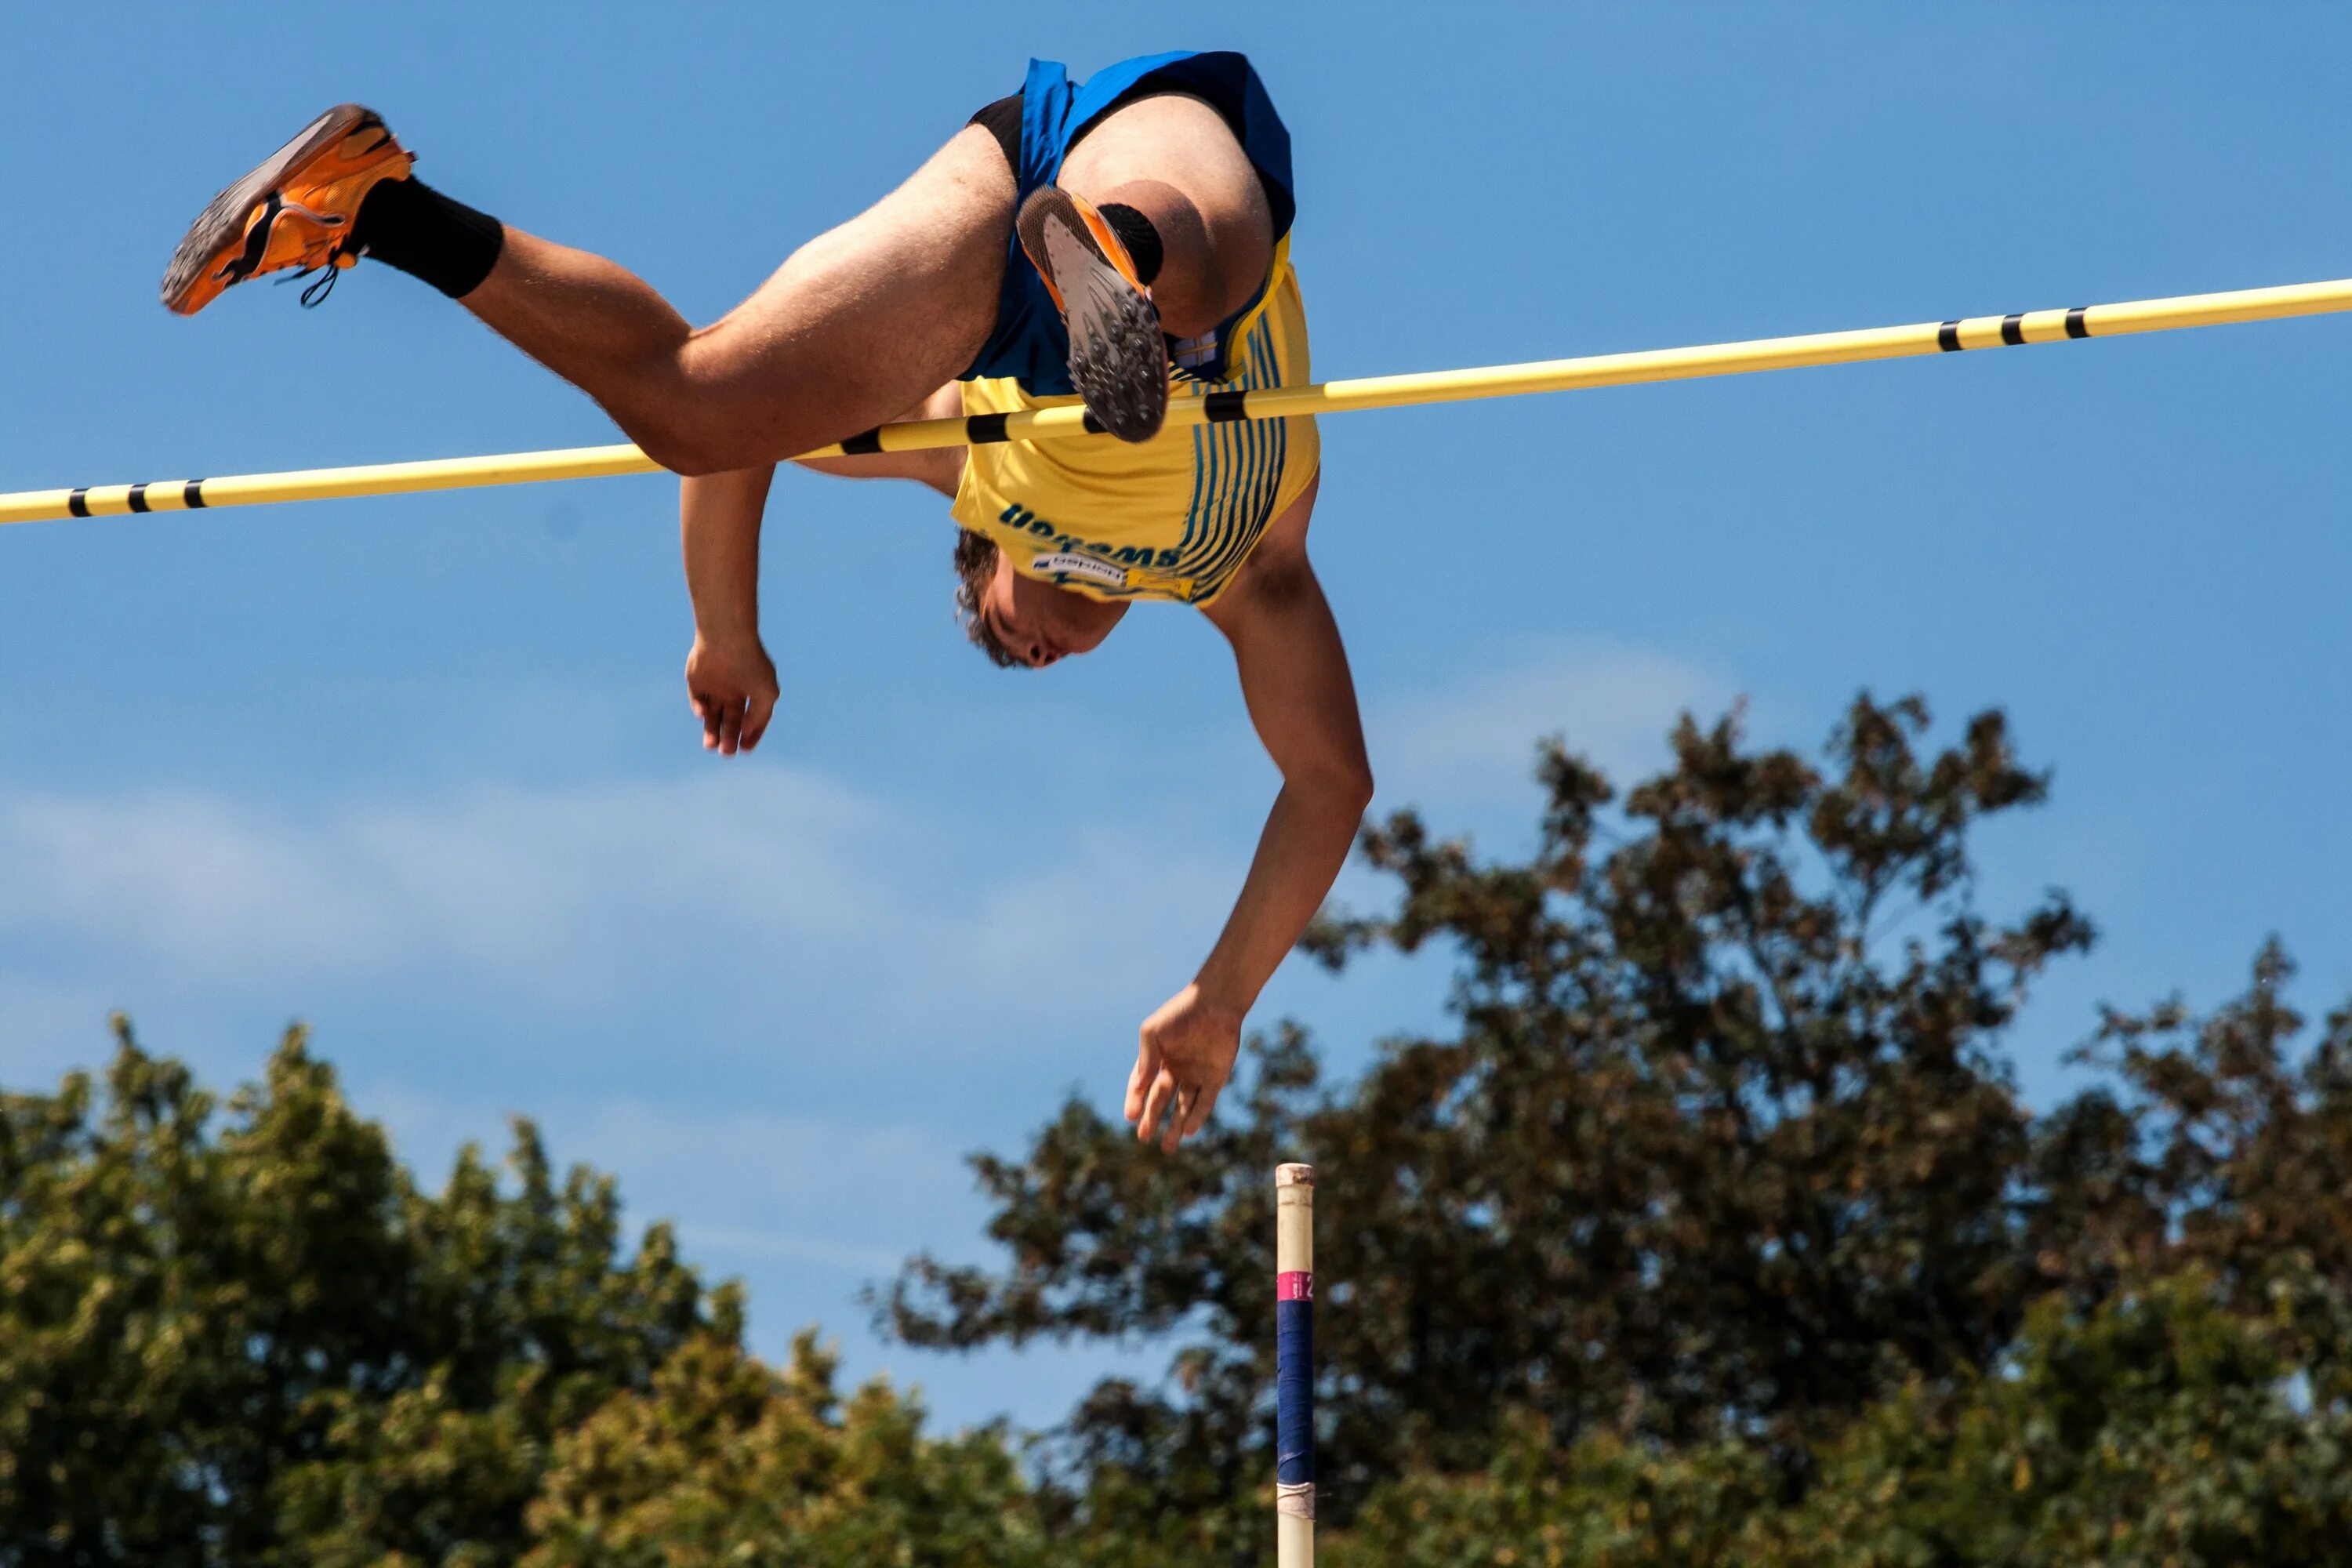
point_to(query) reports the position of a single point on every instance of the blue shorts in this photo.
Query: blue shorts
(1030, 343)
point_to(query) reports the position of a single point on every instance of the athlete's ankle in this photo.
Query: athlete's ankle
(409, 225)
(1135, 232)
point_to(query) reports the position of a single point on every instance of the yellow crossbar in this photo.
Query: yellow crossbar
(1270, 403)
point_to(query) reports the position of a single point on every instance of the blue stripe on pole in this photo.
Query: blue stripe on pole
(1293, 1393)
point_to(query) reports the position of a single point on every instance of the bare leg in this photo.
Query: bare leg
(868, 320)
(1173, 159)
(862, 322)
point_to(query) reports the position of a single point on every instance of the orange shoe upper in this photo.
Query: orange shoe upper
(305, 221)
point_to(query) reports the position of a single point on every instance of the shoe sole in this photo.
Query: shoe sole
(1118, 361)
(226, 219)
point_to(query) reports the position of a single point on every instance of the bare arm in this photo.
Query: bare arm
(729, 674)
(1294, 675)
(940, 467)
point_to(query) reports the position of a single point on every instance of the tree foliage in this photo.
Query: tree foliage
(1723, 1155)
(1712, 1229)
(2163, 1427)
(248, 1339)
(725, 1460)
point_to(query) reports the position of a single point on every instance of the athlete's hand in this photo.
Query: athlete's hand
(1185, 1054)
(733, 687)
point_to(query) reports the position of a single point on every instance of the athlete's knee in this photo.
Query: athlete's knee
(694, 419)
(688, 439)
(684, 444)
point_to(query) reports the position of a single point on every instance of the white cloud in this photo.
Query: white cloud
(780, 885)
(1475, 743)
(767, 895)
(742, 1183)
(185, 875)
(564, 892)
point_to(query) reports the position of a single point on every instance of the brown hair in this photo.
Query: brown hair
(975, 564)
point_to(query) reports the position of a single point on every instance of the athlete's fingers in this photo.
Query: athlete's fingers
(756, 714)
(1162, 1091)
(1199, 1105)
(1177, 1104)
(1147, 1068)
(1147, 1062)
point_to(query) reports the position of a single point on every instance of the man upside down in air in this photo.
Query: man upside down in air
(1118, 242)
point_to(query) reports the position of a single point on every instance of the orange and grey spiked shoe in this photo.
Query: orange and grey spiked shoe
(296, 210)
(1118, 361)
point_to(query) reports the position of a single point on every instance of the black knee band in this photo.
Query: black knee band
(1135, 233)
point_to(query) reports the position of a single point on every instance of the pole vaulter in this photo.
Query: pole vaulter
(1014, 326)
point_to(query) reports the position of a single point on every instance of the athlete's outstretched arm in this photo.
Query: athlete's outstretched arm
(729, 674)
(1294, 673)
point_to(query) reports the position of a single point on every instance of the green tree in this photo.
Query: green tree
(2221, 1142)
(248, 1339)
(725, 1460)
(1722, 1146)
(2164, 1426)
(1712, 1231)
(1721, 1172)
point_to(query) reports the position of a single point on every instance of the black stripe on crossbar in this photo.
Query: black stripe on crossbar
(1948, 337)
(192, 495)
(1221, 407)
(78, 503)
(2075, 326)
(2012, 329)
(860, 445)
(981, 429)
(139, 498)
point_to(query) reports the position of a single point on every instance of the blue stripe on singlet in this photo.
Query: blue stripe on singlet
(1201, 434)
(1250, 503)
(1273, 439)
(1216, 486)
(1243, 505)
(1207, 447)
(1212, 520)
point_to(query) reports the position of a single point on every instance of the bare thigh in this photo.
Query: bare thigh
(865, 320)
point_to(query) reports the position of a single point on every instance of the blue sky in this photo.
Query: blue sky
(420, 770)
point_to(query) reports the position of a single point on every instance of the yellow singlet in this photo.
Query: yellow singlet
(1171, 517)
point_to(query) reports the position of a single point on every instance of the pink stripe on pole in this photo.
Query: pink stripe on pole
(1297, 1285)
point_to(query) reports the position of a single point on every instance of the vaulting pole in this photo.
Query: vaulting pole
(1294, 1366)
(1271, 403)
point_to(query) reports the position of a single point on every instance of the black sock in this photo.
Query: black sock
(1135, 233)
(409, 225)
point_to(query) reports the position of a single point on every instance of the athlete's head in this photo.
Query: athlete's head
(1018, 620)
